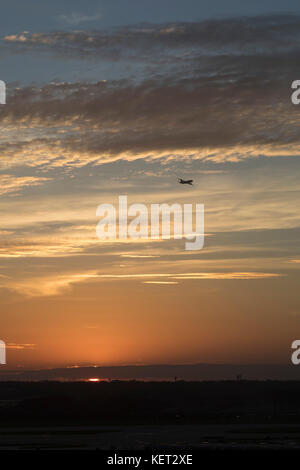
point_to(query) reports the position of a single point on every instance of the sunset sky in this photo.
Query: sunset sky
(122, 97)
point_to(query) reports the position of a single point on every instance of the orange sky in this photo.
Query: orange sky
(91, 123)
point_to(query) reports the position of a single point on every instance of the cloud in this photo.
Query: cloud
(75, 124)
(14, 184)
(136, 255)
(47, 285)
(212, 36)
(161, 282)
(197, 75)
(5, 232)
(77, 18)
(194, 276)
(55, 242)
(57, 284)
(20, 346)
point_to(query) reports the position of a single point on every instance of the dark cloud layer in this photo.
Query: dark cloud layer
(154, 117)
(238, 33)
(225, 85)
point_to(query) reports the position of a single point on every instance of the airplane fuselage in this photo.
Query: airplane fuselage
(190, 182)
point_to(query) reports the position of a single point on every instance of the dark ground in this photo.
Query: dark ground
(136, 415)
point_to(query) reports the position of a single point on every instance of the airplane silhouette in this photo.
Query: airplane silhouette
(181, 181)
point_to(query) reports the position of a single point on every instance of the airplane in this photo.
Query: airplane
(181, 181)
